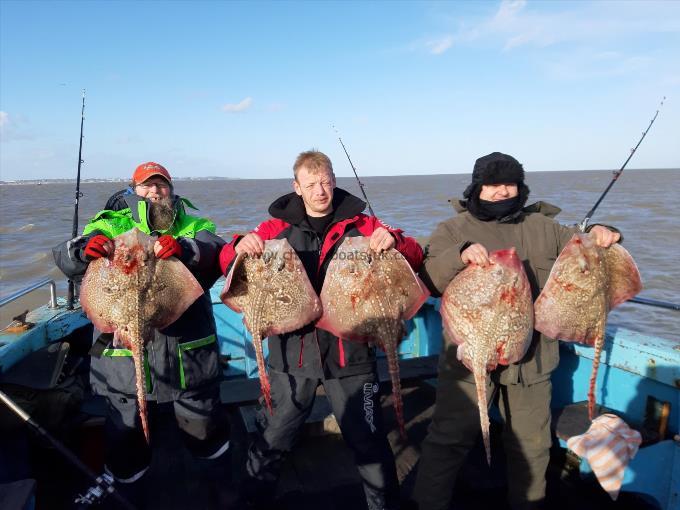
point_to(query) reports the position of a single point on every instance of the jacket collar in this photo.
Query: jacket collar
(291, 209)
(544, 208)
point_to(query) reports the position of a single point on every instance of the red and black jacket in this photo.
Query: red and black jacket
(309, 351)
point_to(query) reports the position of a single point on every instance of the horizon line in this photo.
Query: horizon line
(219, 177)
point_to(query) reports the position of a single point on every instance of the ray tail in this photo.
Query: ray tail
(390, 348)
(593, 377)
(137, 356)
(262, 370)
(480, 381)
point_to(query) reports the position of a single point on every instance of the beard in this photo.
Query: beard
(161, 214)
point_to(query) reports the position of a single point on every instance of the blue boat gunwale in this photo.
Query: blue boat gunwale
(647, 353)
(642, 356)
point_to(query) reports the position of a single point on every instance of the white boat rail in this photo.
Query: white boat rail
(34, 286)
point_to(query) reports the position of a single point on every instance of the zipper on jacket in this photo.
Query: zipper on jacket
(302, 348)
(322, 241)
(151, 361)
(318, 349)
(318, 264)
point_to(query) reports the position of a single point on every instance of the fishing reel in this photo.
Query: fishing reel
(97, 493)
(103, 488)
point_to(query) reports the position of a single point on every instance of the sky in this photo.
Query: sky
(237, 89)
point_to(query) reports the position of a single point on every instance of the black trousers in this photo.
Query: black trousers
(455, 428)
(356, 405)
(204, 430)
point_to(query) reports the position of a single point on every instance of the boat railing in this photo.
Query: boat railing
(33, 287)
(655, 302)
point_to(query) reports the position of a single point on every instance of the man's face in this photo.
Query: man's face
(154, 188)
(316, 190)
(498, 192)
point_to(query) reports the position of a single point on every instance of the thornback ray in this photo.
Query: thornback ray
(275, 296)
(366, 297)
(585, 283)
(134, 293)
(487, 312)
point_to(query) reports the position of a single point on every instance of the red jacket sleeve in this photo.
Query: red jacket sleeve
(266, 230)
(407, 246)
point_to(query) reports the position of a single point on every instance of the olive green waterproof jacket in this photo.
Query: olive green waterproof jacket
(538, 239)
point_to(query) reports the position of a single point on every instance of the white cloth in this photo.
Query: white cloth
(609, 444)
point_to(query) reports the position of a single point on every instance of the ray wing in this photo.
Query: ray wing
(363, 288)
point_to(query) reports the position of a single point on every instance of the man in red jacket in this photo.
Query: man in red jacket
(315, 219)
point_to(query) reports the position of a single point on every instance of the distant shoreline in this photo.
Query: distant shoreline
(20, 182)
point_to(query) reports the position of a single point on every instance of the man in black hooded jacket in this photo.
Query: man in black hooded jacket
(315, 220)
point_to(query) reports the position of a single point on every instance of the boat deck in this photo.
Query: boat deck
(319, 474)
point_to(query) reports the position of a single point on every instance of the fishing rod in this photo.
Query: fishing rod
(361, 184)
(655, 302)
(104, 483)
(617, 173)
(74, 232)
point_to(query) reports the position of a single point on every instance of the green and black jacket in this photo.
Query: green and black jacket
(182, 358)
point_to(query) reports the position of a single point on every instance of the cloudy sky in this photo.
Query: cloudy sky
(238, 89)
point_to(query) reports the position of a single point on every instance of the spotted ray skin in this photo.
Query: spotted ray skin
(487, 311)
(366, 297)
(275, 296)
(134, 293)
(586, 282)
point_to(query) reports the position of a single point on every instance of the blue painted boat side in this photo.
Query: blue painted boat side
(423, 336)
(51, 325)
(644, 355)
(632, 367)
(654, 471)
